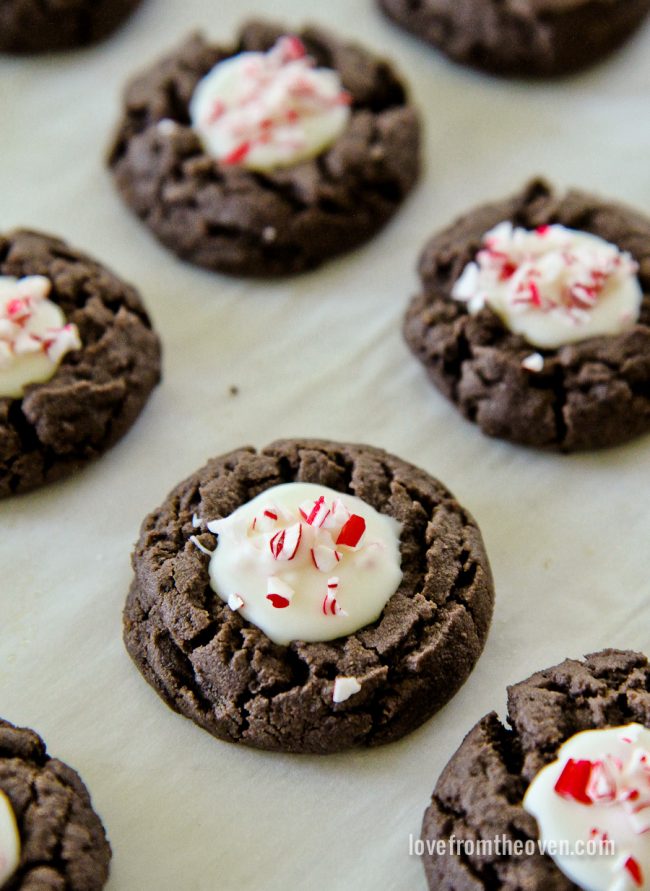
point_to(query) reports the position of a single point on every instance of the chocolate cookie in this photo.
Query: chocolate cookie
(369, 687)
(249, 222)
(479, 794)
(32, 26)
(528, 38)
(102, 382)
(582, 395)
(61, 844)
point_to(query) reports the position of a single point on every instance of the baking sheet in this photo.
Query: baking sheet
(567, 536)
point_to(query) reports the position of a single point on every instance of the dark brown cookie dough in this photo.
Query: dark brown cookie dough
(479, 794)
(63, 843)
(590, 394)
(32, 26)
(241, 222)
(212, 666)
(527, 38)
(96, 392)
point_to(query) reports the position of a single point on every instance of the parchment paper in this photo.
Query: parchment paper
(317, 355)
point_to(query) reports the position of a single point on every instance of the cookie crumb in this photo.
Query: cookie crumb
(233, 390)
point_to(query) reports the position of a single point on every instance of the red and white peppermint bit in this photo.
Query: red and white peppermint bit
(279, 592)
(330, 606)
(315, 513)
(351, 533)
(235, 602)
(284, 544)
(324, 558)
(534, 363)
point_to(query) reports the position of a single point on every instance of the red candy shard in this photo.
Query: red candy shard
(238, 154)
(293, 48)
(634, 869)
(278, 601)
(542, 230)
(573, 781)
(352, 531)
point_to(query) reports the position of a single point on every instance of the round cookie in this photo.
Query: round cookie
(479, 794)
(32, 26)
(583, 395)
(245, 222)
(97, 391)
(527, 38)
(226, 675)
(62, 843)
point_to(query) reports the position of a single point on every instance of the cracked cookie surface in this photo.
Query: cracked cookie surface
(212, 666)
(97, 392)
(237, 221)
(479, 793)
(31, 26)
(590, 394)
(63, 843)
(529, 38)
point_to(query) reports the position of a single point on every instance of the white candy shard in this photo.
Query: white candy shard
(235, 602)
(534, 362)
(197, 544)
(344, 688)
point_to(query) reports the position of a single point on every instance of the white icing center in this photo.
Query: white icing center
(552, 285)
(303, 562)
(34, 335)
(269, 110)
(598, 789)
(9, 840)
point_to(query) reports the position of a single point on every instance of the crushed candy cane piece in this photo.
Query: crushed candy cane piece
(235, 602)
(324, 558)
(573, 781)
(279, 592)
(330, 606)
(351, 533)
(284, 544)
(598, 787)
(344, 688)
(256, 560)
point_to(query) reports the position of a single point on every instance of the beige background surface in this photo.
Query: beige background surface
(567, 536)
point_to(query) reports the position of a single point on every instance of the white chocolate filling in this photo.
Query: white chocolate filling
(9, 840)
(303, 562)
(553, 285)
(34, 335)
(268, 110)
(598, 789)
